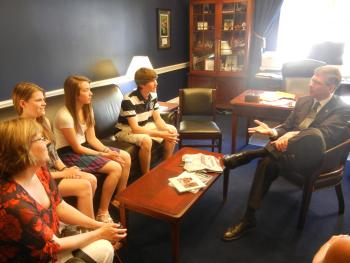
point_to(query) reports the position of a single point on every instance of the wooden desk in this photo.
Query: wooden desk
(151, 195)
(240, 108)
(169, 107)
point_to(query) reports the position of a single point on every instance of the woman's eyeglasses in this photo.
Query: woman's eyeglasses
(42, 139)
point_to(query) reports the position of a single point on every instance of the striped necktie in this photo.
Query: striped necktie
(310, 116)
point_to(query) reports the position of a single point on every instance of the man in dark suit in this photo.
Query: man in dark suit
(318, 122)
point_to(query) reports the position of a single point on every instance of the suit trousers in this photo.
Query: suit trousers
(304, 153)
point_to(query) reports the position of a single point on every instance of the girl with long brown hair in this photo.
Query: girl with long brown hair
(78, 145)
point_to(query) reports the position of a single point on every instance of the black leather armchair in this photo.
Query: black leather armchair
(197, 117)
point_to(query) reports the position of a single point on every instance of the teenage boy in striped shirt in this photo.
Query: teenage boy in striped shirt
(140, 121)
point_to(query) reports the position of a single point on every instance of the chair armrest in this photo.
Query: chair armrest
(335, 157)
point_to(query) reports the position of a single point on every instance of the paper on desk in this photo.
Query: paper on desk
(269, 75)
(163, 108)
(276, 95)
(280, 102)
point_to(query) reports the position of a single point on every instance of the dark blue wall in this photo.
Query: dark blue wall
(170, 83)
(44, 41)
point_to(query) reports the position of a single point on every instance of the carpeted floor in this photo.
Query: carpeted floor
(275, 239)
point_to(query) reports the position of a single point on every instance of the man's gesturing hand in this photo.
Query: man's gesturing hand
(262, 128)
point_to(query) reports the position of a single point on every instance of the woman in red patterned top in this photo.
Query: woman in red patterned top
(31, 208)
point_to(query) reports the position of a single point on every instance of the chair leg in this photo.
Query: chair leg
(212, 145)
(339, 191)
(220, 144)
(247, 135)
(225, 186)
(307, 193)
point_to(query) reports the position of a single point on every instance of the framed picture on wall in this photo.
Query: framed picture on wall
(164, 28)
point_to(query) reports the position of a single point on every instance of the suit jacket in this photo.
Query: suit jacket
(332, 120)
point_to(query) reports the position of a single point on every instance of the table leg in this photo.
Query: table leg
(175, 233)
(234, 132)
(122, 215)
(247, 136)
(176, 119)
(123, 221)
(225, 186)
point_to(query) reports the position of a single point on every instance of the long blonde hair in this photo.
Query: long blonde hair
(71, 93)
(16, 137)
(24, 91)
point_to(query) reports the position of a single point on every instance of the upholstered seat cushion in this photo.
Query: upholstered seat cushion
(192, 126)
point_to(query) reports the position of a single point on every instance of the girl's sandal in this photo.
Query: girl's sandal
(104, 217)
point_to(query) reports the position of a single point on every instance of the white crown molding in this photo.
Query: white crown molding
(100, 83)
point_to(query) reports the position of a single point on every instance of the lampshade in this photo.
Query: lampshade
(225, 48)
(136, 63)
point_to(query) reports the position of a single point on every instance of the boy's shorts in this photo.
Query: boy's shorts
(128, 136)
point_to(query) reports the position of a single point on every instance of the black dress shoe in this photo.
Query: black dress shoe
(244, 157)
(238, 230)
(232, 161)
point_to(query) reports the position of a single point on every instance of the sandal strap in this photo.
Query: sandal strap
(104, 217)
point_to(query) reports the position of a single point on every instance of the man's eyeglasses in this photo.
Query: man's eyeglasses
(42, 139)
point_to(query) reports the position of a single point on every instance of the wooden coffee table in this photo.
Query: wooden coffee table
(151, 195)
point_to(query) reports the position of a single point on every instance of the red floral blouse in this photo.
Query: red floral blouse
(27, 228)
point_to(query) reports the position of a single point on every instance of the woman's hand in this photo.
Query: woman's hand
(71, 173)
(115, 156)
(112, 232)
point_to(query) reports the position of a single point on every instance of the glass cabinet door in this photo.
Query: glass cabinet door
(233, 36)
(203, 37)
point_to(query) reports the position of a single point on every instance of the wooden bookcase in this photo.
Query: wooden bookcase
(220, 34)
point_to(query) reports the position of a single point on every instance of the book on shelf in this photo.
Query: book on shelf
(227, 11)
(186, 182)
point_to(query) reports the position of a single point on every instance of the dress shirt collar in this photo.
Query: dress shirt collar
(323, 102)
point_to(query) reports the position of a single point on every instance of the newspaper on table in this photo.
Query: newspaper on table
(186, 182)
(205, 178)
(201, 163)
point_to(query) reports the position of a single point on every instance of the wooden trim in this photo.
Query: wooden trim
(100, 83)
(170, 68)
